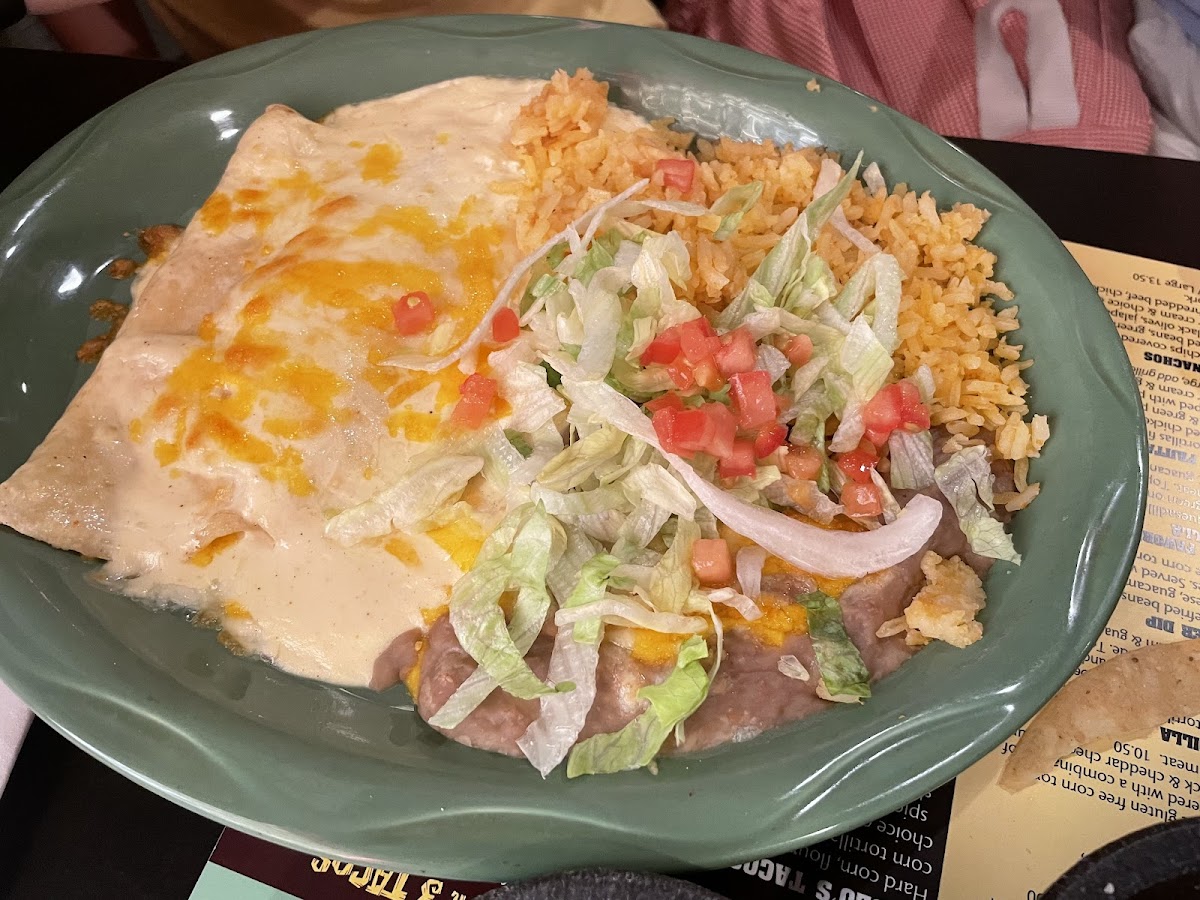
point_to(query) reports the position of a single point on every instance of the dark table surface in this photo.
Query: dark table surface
(70, 826)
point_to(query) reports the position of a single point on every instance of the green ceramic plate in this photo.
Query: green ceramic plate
(356, 775)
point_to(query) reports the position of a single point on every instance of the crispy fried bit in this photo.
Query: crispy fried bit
(108, 311)
(122, 268)
(158, 239)
(944, 610)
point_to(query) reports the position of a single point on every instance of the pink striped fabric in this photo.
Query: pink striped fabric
(919, 57)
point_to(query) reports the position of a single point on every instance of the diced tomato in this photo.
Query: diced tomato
(476, 395)
(914, 412)
(707, 376)
(882, 415)
(413, 313)
(910, 396)
(694, 430)
(895, 406)
(677, 173)
(857, 464)
(752, 398)
(918, 420)
(861, 499)
(803, 462)
(663, 349)
(738, 353)
(769, 439)
(663, 421)
(681, 373)
(712, 561)
(710, 428)
(739, 462)
(665, 401)
(698, 340)
(505, 325)
(799, 349)
(721, 443)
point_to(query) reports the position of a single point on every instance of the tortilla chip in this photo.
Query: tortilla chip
(1121, 699)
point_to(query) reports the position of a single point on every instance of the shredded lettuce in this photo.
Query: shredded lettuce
(518, 442)
(655, 484)
(829, 175)
(479, 621)
(923, 379)
(563, 576)
(533, 401)
(546, 443)
(418, 495)
(678, 207)
(602, 526)
(966, 481)
(502, 454)
(787, 256)
(772, 362)
(632, 458)
(912, 459)
(878, 274)
(640, 528)
(751, 488)
(536, 294)
(493, 567)
(808, 288)
(732, 205)
(806, 496)
(865, 359)
(891, 509)
(579, 503)
(671, 581)
(843, 672)
(636, 745)
(596, 258)
(574, 659)
(579, 461)
(672, 253)
(593, 580)
(850, 429)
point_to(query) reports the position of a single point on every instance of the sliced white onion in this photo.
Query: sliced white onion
(746, 607)
(793, 668)
(624, 612)
(873, 179)
(829, 176)
(750, 562)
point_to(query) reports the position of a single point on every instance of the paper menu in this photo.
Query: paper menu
(1093, 798)
(968, 840)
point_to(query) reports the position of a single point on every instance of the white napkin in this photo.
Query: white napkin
(14, 722)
